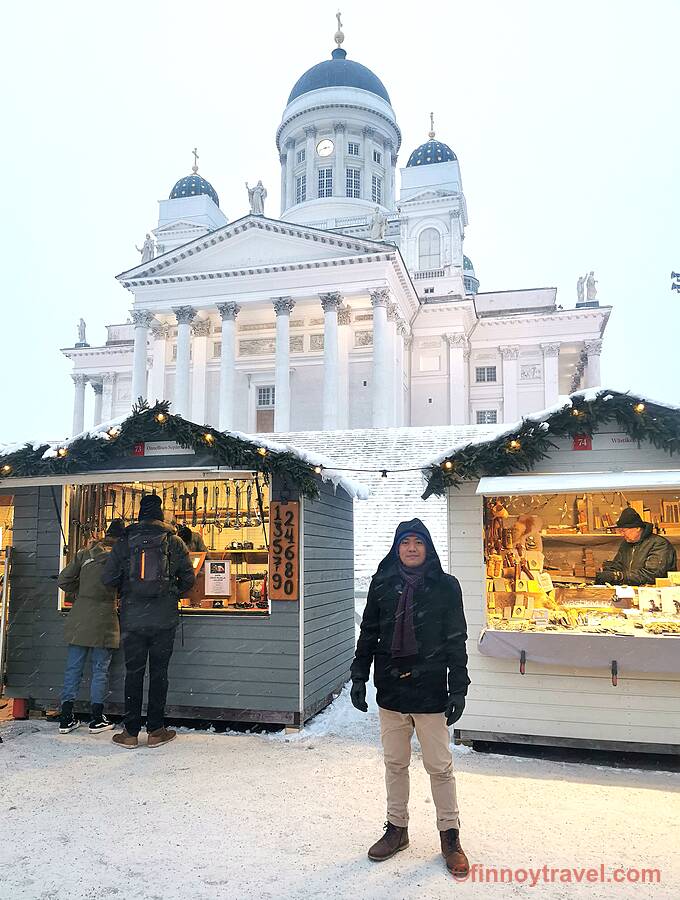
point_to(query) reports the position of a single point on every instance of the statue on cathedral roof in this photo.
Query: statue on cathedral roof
(81, 332)
(147, 249)
(256, 197)
(580, 288)
(378, 225)
(591, 290)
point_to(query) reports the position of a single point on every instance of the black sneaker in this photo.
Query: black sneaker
(67, 721)
(99, 721)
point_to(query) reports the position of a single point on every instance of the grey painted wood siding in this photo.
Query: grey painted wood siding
(619, 459)
(328, 565)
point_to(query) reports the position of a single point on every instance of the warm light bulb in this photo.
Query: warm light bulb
(62, 451)
(576, 412)
(262, 451)
(113, 432)
(161, 417)
(6, 469)
(448, 464)
(208, 438)
(318, 469)
(514, 445)
(639, 407)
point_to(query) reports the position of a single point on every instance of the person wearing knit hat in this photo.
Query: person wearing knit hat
(151, 568)
(413, 632)
(642, 556)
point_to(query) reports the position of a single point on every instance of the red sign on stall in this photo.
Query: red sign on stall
(582, 442)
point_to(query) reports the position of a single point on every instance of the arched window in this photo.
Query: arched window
(429, 249)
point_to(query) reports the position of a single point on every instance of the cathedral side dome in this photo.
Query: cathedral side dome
(192, 186)
(431, 152)
(339, 72)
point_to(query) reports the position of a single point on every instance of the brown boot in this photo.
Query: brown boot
(456, 860)
(128, 741)
(394, 840)
(159, 737)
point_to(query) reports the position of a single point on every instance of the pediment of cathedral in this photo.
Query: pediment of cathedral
(430, 195)
(252, 242)
(180, 226)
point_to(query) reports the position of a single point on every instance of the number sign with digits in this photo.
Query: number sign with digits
(284, 551)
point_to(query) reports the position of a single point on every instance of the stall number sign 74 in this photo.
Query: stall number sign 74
(284, 551)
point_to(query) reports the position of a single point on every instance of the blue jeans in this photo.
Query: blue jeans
(75, 663)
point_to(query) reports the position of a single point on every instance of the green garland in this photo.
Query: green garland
(155, 423)
(531, 442)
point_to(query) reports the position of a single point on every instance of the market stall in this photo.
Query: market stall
(267, 632)
(573, 622)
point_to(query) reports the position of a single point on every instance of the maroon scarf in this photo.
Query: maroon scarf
(404, 638)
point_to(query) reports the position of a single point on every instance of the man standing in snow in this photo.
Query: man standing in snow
(413, 631)
(152, 569)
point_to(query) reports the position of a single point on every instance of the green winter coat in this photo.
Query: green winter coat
(93, 619)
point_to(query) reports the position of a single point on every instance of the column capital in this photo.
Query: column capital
(160, 330)
(380, 297)
(141, 318)
(283, 158)
(456, 340)
(185, 314)
(344, 315)
(509, 352)
(593, 348)
(310, 131)
(79, 379)
(367, 131)
(97, 387)
(283, 306)
(200, 327)
(228, 311)
(339, 127)
(290, 144)
(331, 301)
(550, 349)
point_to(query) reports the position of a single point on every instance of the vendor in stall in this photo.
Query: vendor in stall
(642, 557)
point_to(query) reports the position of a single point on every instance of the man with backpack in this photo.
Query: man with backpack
(91, 627)
(152, 569)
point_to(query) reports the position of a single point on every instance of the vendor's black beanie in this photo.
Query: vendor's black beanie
(630, 518)
(150, 507)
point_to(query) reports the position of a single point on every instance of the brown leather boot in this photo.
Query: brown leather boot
(456, 860)
(128, 741)
(160, 736)
(394, 840)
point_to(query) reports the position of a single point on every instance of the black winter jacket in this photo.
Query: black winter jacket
(650, 558)
(441, 632)
(161, 612)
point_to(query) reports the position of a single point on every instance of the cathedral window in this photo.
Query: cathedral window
(376, 189)
(377, 157)
(485, 374)
(487, 416)
(217, 349)
(266, 396)
(325, 182)
(429, 249)
(353, 183)
(352, 149)
(300, 188)
(300, 156)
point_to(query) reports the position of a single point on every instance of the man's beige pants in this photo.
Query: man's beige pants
(396, 731)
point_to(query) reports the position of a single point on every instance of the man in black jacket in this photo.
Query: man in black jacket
(642, 556)
(152, 569)
(413, 631)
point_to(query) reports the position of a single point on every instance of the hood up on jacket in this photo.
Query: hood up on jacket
(413, 526)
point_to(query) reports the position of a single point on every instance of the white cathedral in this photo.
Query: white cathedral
(356, 308)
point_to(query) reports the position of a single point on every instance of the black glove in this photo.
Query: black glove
(454, 708)
(358, 695)
(609, 576)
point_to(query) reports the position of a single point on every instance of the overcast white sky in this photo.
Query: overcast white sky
(564, 117)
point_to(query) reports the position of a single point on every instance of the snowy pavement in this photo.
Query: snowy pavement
(215, 816)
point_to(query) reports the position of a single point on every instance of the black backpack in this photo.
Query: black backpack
(149, 564)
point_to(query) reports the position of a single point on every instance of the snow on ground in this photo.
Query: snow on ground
(215, 816)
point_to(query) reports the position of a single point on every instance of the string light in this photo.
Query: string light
(262, 451)
(208, 438)
(6, 469)
(514, 445)
(113, 432)
(62, 451)
(576, 412)
(448, 465)
(318, 469)
(161, 417)
(639, 407)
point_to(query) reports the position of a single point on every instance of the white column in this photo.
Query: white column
(288, 199)
(98, 389)
(408, 367)
(392, 319)
(551, 373)
(344, 339)
(510, 357)
(159, 334)
(108, 381)
(382, 364)
(283, 307)
(593, 350)
(457, 394)
(368, 133)
(79, 382)
(141, 320)
(390, 159)
(185, 316)
(339, 173)
(402, 331)
(200, 329)
(310, 151)
(331, 373)
(228, 311)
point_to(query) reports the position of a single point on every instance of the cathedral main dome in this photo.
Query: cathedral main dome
(339, 72)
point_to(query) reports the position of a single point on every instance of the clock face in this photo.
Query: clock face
(325, 147)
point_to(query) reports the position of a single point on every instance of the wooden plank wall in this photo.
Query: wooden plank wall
(328, 525)
(218, 663)
(570, 703)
